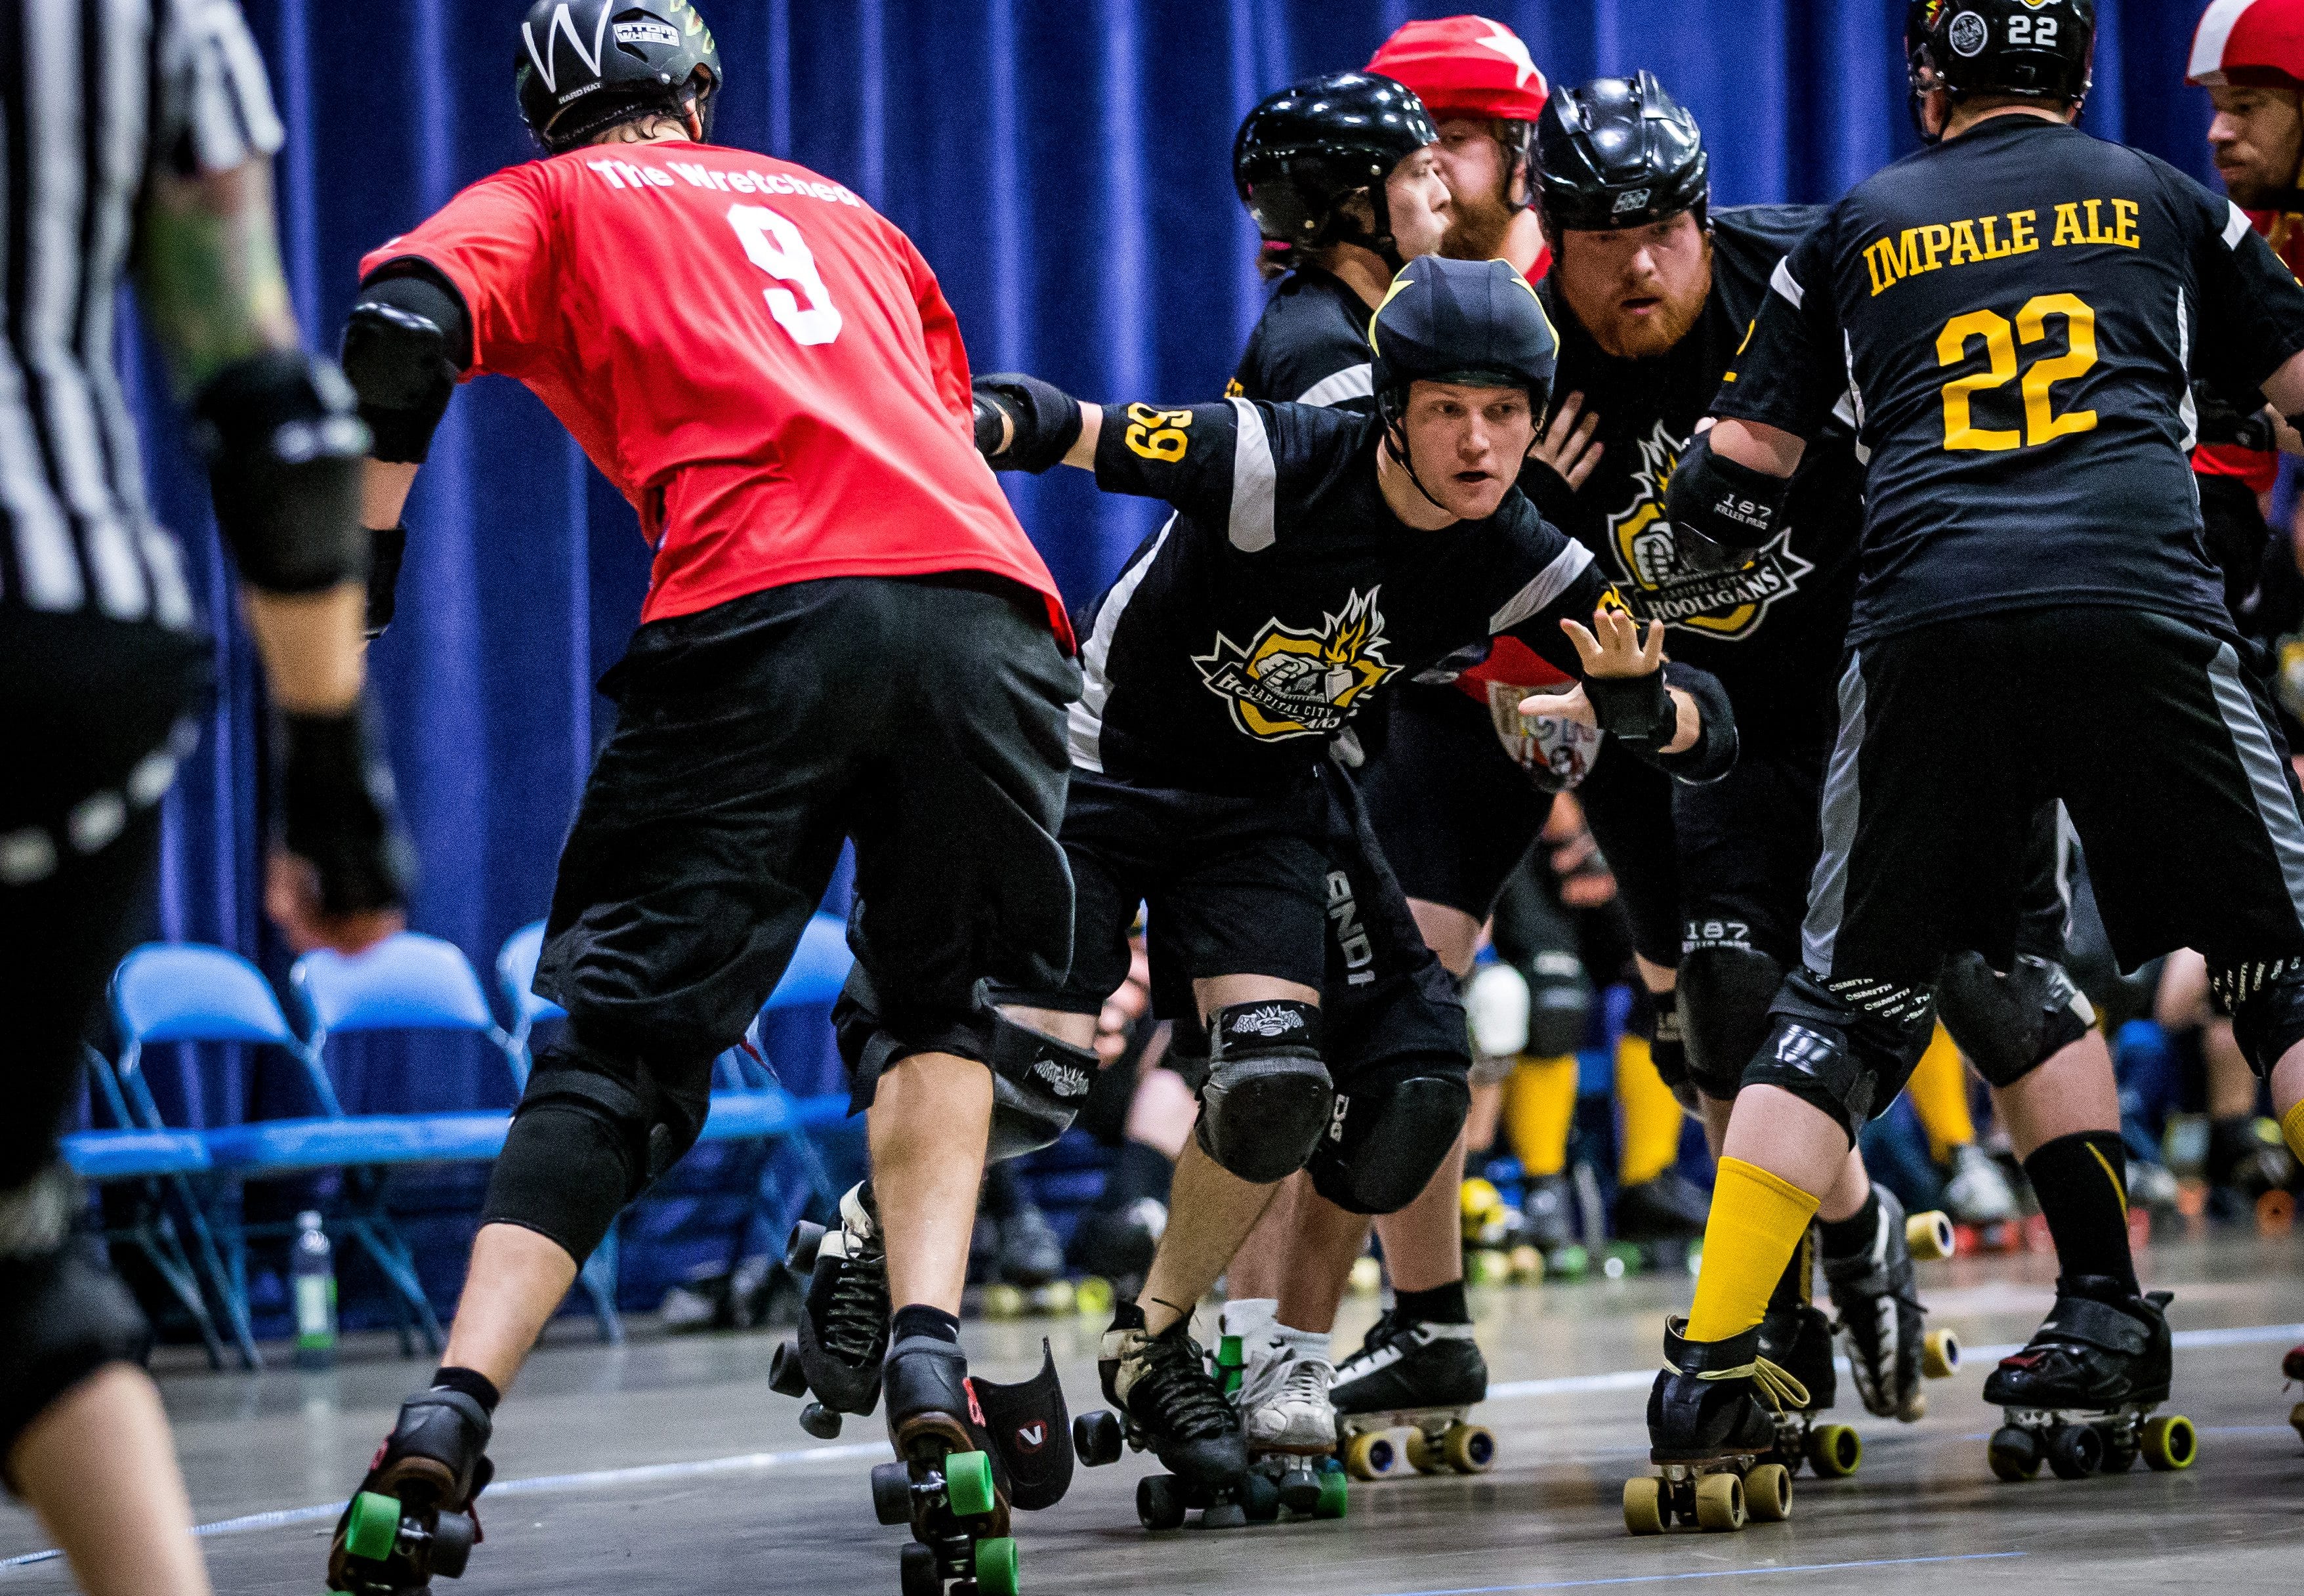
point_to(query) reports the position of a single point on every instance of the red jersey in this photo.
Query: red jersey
(2258, 468)
(761, 363)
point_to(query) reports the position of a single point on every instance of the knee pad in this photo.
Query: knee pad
(1725, 993)
(1268, 1098)
(1844, 1046)
(1560, 1003)
(1496, 1002)
(1387, 1135)
(2267, 1003)
(2010, 1025)
(63, 1315)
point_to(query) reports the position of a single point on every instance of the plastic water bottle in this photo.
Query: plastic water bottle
(312, 1274)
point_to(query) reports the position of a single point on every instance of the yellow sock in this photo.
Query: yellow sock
(1539, 1110)
(1649, 1141)
(1939, 1088)
(1757, 1218)
(2291, 1130)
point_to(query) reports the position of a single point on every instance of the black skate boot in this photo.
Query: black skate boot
(2079, 1397)
(1548, 1214)
(1797, 1339)
(2291, 1368)
(1880, 1316)
(1169, 1405)
(1032, 1253)
(413, 1517)
(1667, 1209)
(843, 1318)
(1711, 1435)
(948, 1481)
(1425, 1379)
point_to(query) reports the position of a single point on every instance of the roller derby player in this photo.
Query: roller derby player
(1314, 554)
(104, 673)
(2032, 575)
(855, 640)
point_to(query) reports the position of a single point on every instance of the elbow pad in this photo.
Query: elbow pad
(1722, 513)
(283, 447)
(1046, 420)
(405, 344)
(1714, 753)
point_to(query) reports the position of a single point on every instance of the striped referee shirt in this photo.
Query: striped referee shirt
(96, 97)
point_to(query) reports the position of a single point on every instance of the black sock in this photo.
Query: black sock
(471, 1382)
(1848, 1237)
(918, 1318)
(1142, 1171)
(1796, 1284)
(2081, 1182)
(1443, 1304)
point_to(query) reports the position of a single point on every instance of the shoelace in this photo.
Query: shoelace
(1175, 1381)
(1388, 1332)
(855, 1325)
(1306, 1380)
(1774, 1383)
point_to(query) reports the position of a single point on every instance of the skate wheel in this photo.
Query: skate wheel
(1468, 1448)
(1928, 1236)
(2075, 1451)
(2013, 1454)
(373, 1528)
(1223, 1515)
(1159, 1502)
(892, 1493)
(1335, 1496)
(452, 1538)
(968, 1483)
(1098, 1438)
(800, 1250)
(1370, 1456)
(996, 1567)
(2296, 1420)
(917, 1572)
(1487, 1267)
(1368, 1277)
(1570, 1262)
(1939, 1354)
(1300, 1489)
(820, 1421)
(2170, 1443)
(1834, 1451)
(1003, 1302)
(1057, 1298)
(2121, 1447)
(1720, 1502)
(1644, 1506)
(1768, 1493)
(786, 1378)
(1092, 1298)
(1527, 1263)
(1260, 1498)
(1423, 1455)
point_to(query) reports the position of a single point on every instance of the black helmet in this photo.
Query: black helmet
(588, 65)
(1618, 152)
(1304, 152)
(2039, 49)
(1475, 322)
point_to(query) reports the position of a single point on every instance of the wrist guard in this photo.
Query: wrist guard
(1722, 513)
(385, 546)
(1712, 754)
(283, 448)
(1046, 420)
(339, 813)
(1635, 710)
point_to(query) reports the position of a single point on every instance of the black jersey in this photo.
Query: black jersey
(1309, 346)
(1771, 631)
(2015, 316)
(1283, 594)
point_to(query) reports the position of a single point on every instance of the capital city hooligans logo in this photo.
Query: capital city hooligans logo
(1288, 683)
(1724, 604)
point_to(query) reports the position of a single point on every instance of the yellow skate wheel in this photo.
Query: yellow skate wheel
(1468, 1448)
(1093, 1298)
(1768, 1493)
(1527, 1263)
(1833, 1451)
(1057, 1297)
(1644, 1506)
(2171, 1443)
(1720, 1502)
(1423, 1453)
(1003, 1302)
(1368, 1277)
(1928, 1236)
(1939, 1354)
(1478, 1200)
(1370, 1456)
(1487, 1267)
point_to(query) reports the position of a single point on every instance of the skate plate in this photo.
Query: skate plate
(1720, 1494)
(1308, 1484)
(1439, 1440)
(2075, 1443)
(1164, 1501)
(960, 1526)
(1830, 1451)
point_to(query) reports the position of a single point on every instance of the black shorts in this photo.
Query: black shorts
(922, 718)
(94, 716)
(2156, 734)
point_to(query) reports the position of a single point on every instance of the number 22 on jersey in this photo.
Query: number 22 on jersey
(2042, 424)
(775, 246)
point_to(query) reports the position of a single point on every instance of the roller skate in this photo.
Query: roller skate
(1978, 1192)
(843, 1318)
(1165, 1402)
(414, 1515)
(1548, 1214)
(2291, 1367)
(1799, 1341)
(1880, 1316)
(1289, 1426)
(958, 1445)
(1421, 1378)
(2079, 1397)
(1712, 1434)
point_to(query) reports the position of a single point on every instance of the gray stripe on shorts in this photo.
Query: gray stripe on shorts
(2267, 777)
(1827, 888)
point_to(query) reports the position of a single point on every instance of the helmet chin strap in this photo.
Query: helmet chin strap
(1395, 438)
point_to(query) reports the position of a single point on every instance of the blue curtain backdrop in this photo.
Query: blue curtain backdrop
(1065, 167)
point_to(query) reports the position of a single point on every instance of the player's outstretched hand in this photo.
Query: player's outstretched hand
(1567, 446)
(1614, 647)
(339, 877)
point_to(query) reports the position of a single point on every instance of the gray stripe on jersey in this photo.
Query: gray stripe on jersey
(1354, 382)
(1084, 721)
(1827, 888)
(2187, 409)
(2267, 773)
(2237, 227)
(1542, 588)
(1782, 281)
(215, 91)
(1253, 479)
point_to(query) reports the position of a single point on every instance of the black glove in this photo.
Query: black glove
(1045, 418)
(2223, 424)
(339, 814)
(1637, 710)
(385, 545)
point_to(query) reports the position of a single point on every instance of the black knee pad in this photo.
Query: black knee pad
(1559, 1002)
(63, 1314)
(1845, 1046)
(1389, 1133)
(593, 1130)
(2266, 1001)
(2010, 1025)
(1725, 993)
(1267, 1098)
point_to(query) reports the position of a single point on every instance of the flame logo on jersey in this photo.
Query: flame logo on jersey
(1657, 587)
(1288, 683)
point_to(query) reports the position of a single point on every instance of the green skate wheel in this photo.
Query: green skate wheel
(373, 1530)
(996, 1566)
(968, 1483)
(1335, 1496)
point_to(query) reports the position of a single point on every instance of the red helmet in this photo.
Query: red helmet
(2248, 44)
(1465, 67)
